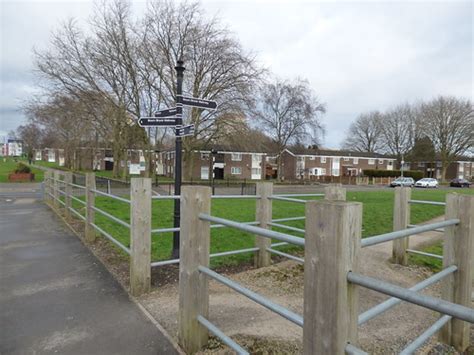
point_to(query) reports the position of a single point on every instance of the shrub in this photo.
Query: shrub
(22, 169)
(416, 175)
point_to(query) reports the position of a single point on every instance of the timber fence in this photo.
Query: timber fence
(74, 195)
(332, 243)
(332, 278)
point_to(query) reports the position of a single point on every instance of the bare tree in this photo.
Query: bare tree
(400, 129)
(217, 68)
(449, 123)
(366, 133)
(31, 134)
(289, 112)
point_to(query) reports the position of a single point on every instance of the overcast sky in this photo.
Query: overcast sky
(357, 56)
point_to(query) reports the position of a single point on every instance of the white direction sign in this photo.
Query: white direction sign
(183, 131)
(195, 102)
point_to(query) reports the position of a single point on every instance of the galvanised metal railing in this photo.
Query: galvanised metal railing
(440, 230)
(435, 304)
(254, 230)
(115, 197)
(377, 239)
(436, 203)
(391, 302)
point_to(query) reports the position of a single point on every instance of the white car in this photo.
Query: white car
(427, 182)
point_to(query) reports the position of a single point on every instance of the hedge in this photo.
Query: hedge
(394, 173)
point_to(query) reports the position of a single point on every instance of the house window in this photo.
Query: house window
(323, 159)
(439, 164)
(346, 159)
(204, 156)
(256, 171)
(204, 172)
(371, 161)
(421, 164)
(380, 161)
(390, 162)
(236, 157)
(461, 167)
(235, 170)
(312, 158)
(356, 161)
(323, 171)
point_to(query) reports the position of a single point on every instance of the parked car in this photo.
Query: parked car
(427, 182)
(403, 181)
(459, 183)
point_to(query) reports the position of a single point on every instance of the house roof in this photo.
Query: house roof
(333, 152)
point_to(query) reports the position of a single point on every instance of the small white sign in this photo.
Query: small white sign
(134, 169)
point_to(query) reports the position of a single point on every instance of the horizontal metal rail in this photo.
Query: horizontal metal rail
(78, 186)
(215, 255)
(440, 230)
(236, 196)
(391, 302)
(428, 333)
(274, 245)
(61, 191)
(286, 255)
(213, 226)
(435, 304)
(299, 230)
(353, 350)
(61, 202)
(428, 202)
(298, 195)
(118, 198)
(165, 230)
(413, 251)
(113, 218)
(77, 213)
(224, 338)
(165, 197)
(112, 239)
(78, 200)
(285, 313)
(254, 230)
(288, 199)
(406, 232)
(289, 219)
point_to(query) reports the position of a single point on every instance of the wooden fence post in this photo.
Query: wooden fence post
(55, 189)
(333, 232)
(194, 251)
(47, 186)
(67, 196)
(401, 219)
(90, 202)
(458, 249)
(335, 193)
(263, 214)
(140, 236)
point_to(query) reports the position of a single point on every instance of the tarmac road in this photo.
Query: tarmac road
(55, 296)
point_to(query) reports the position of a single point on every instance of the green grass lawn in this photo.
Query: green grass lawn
(430, 262)
(8, 166)
(377, 219)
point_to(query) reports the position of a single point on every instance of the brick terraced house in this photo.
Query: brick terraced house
(306, 163)
(222, 163)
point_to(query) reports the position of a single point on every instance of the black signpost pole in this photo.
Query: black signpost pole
(178, 158)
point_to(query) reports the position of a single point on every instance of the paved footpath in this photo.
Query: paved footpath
(55, 296)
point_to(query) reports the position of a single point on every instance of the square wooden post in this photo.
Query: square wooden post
(263, 214)
(194, 251)
(67, 196)
(47, 186)
(458, 249)
(140, 236)
(90, 202)
(335, 192)
(332, 246)
(401, 219)
(56, 189)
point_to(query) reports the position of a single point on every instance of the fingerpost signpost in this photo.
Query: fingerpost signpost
(173, 117)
